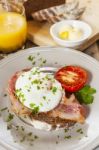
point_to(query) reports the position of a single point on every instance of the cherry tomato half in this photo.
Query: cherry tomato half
(72, 78)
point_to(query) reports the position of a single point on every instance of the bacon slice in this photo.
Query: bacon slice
(68, 112)
(70, 109)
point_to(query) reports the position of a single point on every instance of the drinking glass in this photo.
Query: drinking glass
(13, 26)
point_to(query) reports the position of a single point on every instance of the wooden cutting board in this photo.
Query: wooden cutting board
(39, 33)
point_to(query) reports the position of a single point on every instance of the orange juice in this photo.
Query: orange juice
(13, 31)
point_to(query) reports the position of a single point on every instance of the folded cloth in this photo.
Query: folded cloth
(57, 13)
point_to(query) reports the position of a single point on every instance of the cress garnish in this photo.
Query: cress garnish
(67, 137)
(54, 90)
(10, 117)
(9, 126)
(79, 131)
(31, 58)
(20, 95)
(35, 109)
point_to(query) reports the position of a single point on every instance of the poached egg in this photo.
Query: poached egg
(38, 90)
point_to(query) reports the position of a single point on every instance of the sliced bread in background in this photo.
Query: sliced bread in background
(35, 5)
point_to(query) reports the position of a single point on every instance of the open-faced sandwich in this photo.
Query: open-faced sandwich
(49, 100)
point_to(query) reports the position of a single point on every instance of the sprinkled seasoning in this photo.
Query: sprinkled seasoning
(57, 142)
(28, 90)
(54, 90)
(47, 77)
(30, 78)
(3, 109)
(66, 130)
(44, 61)
(56, 62)
(33, 63)
(23, 139)
(20, 95)
(29, 134)
(17, 127)
(44, 97)
(31, 58)
(80, 131)
(41, 104)
(35, 72)
(35, 109)
(67, 137)
(41, 60)
(5, 95)
(10, 117)
(22, 128)
(35, 137)
(36, 81)
(9, 126)
(38, 87)
(32, 105)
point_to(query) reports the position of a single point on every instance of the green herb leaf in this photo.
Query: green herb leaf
(85, 95)
(23, 139)
(36, 81)
(54, 90)
(29, 134)
(10, 117)
(44, 97)
(32, 105)
(35, 110)
(79, 131)
(67, 137)
(35, 137)
(9, 126)
(44, 61)
(41, 104)
(31, 58)
(38, 87)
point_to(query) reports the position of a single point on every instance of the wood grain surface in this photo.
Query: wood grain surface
(39, 32)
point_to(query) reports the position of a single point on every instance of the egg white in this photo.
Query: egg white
(38, 89)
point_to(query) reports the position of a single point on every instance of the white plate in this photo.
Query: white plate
(48, 140)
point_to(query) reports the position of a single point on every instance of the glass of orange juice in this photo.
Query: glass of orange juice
(13, 26)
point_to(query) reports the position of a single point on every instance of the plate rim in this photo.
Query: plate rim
(42, 48)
